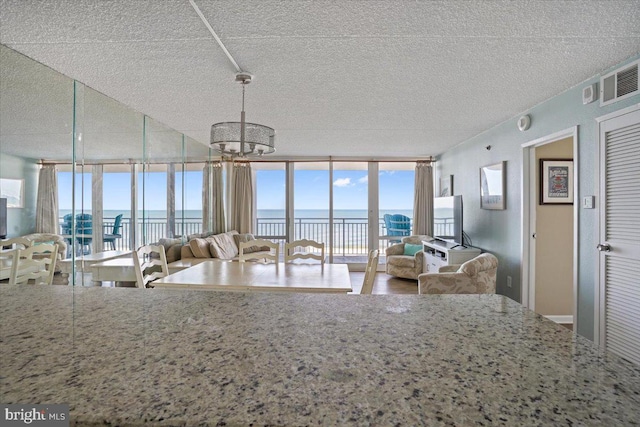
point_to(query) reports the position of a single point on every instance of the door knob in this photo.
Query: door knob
(604, 247)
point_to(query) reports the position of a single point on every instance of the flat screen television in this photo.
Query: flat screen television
(447, 219)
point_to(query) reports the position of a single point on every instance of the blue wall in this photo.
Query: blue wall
(499, 232)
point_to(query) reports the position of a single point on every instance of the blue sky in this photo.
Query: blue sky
(311, 190)
(350, 189)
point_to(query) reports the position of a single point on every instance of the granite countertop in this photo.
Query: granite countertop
(174, 357)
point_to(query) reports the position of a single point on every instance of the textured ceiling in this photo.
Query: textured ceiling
(343, 78)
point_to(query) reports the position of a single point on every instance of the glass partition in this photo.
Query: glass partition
(122, 178)
(189, 189)
(36, 123)
(112, 136)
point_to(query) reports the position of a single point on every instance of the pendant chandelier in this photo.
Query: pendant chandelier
(242, 139)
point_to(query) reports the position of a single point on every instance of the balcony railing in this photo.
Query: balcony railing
(349, 234)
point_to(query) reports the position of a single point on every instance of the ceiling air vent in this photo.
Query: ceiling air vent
(619, 84)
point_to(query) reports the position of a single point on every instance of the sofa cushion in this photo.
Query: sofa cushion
(223, 245)
(173, 253)
(200, 248)
(411, 249)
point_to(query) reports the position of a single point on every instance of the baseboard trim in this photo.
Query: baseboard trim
(560, 319)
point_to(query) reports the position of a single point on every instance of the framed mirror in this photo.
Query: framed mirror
(493, 186)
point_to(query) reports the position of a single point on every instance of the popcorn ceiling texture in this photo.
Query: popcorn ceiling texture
(332, 77)
(125, 356)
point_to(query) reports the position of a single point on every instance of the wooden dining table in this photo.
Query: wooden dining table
(253, 276)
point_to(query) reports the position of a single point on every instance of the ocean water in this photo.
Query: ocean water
(262, 213)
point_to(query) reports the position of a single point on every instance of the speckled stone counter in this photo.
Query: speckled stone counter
(170, 357)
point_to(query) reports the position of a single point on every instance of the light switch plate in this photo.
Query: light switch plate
(588, 202)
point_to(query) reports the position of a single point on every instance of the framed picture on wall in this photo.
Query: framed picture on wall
(446, 186)
(13, 191)
(493, 186)
(556, 181)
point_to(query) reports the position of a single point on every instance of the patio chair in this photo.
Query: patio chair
(115, 233)
(84, 227)
(397, 225)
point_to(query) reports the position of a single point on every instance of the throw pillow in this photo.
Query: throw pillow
(243, 238)
(173, 253)
(200, 248)
(410, 249)
(223, 245)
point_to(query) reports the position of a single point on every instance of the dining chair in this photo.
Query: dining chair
(115, 233)
(15, 243)
(150, 263)
(315, 252)
(7, 250)
(247, 250)
(370, 272)
(25, 267)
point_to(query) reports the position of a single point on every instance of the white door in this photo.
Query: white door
(619, 242)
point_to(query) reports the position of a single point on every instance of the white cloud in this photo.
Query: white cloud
(364, 179)
(343, 182)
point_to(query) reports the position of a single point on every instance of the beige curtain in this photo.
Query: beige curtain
(213, 216)
(47, 201)
(242, 204)
(423, 199)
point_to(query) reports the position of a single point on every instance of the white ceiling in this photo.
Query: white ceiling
(343, 78)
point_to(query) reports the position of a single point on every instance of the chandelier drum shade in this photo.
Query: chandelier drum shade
(242, 139)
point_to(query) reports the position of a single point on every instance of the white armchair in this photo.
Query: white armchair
(476, 276)
(405, 266)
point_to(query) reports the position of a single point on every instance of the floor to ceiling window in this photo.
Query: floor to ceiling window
(350, 211)
(116, 200)
(152, 204)
(82, 198)
(188, 203)
(396, 181)
(271, 200)
(311, 186)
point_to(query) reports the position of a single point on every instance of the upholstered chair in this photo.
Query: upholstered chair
(404, 260)
(476, 276)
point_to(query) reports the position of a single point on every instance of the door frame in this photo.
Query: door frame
(528, 204)
(599, 291)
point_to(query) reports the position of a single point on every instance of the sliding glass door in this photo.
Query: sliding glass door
(271, 200)
(350, 212)
(396, 181)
